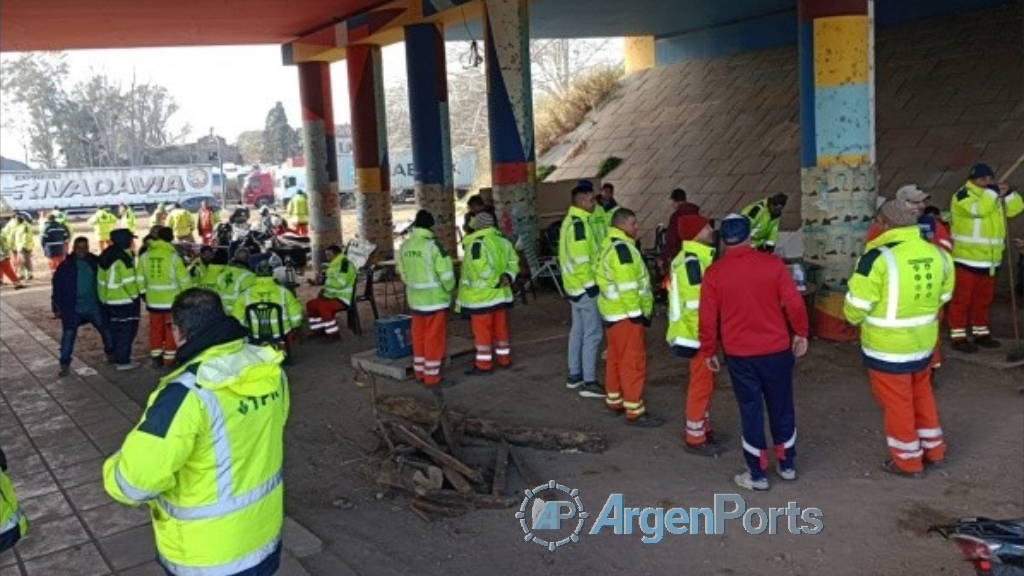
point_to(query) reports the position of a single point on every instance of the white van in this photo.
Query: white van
(288, 181)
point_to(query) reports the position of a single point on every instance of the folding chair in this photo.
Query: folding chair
(353, 321)
(260, 320)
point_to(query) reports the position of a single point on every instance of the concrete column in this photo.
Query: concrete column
(510, 118)
(321, 153)
(431, 128)
(639, 53)
(839, 178)
(370, 148)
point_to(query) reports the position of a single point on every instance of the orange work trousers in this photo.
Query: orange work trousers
(972, 298)
(911, 418)
(626, 368)
(161, 338)
(490, 331)
(7, 270)
(429, 343)
(323, 315)
(698, 400)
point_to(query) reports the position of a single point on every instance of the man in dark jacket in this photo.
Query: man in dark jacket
(55, 239)
(76, 301)
(673, 240)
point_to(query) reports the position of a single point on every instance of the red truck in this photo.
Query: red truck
(259, 189)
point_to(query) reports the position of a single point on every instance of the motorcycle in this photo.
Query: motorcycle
(993, 547)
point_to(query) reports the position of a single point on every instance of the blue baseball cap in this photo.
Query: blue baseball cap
(735, 229)
(980, 171)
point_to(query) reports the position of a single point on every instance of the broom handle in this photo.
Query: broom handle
(1009, 256)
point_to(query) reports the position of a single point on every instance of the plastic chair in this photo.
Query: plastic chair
(260, 320)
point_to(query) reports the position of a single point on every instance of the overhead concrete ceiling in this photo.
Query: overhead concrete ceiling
(29, 25)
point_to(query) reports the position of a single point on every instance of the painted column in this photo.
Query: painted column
(839, 178)
(321, 153)
(431, 128)
(639, 53)
(370, 149)
(510, 119)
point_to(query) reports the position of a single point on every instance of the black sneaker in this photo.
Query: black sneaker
(65, 369)
(987, 342)
(474, 371)
(591, 390)
(706, 449)
(964, 346)
(158, 363)
(574, 382)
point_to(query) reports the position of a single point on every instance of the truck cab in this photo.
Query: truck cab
(258, 190)
(288, 182)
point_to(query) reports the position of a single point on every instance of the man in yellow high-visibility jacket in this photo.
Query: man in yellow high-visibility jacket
(979, 210)
(207, 456)
(298, 213)
(13, 522)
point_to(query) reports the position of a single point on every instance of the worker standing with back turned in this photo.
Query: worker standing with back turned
(750, 300)
(895, 295)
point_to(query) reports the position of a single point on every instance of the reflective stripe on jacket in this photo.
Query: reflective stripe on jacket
(232, 281)
(427, 272)
(979, 226)
(118, 284)
(207, 459)
(684, 296)
(764, 228)
(341, 280)
(895, 295)
(578, 252)
(487, 257)
(624, 281)
(162, 275)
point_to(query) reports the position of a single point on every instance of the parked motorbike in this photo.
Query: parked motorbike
(993, 547)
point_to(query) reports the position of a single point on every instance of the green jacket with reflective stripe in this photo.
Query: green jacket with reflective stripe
(210, 277)
(117, 284)
(162, 275)
(578, 252)
(266, 289)
(979, 225)
(341, 280)
(601, 222)
(232, 281)
(13, 522)
(487, 257)
(427, 272)
(207, 458)
(764, 229)
(895, 295)
(624, 281)
(687, 274)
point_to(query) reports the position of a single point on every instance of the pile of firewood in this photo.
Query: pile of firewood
(451, 463)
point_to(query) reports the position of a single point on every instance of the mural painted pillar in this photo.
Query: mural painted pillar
(510, 118)
(839, 177)
(370, 149)
(320, 149)
(431, 128)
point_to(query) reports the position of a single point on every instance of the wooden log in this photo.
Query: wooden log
(530, 477)
(430, 449)
(458, 481)
(429, 507)
(500, 468)
(542, 438)
(419, 513)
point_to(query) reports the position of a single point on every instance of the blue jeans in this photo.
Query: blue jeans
(760, 382)
(584, 338)
(67, 340)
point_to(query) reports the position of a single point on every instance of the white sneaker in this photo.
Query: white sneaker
(127, 367)
(786, 474)
(745, 481)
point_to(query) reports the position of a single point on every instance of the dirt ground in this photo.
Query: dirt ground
(874, 523)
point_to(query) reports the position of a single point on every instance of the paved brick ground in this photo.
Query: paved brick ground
(56, 434)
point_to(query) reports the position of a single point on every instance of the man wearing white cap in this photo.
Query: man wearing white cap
(911, 196)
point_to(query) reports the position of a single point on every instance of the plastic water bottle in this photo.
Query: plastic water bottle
(799, 277)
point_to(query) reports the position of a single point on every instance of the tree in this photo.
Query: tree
(250, 146)
(93, 123)
(280, 140)
(558, 63)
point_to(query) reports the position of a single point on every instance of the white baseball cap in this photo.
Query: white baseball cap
(911, 193)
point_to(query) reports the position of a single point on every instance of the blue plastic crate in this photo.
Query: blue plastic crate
(394, 337)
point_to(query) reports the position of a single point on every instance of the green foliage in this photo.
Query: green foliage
(607, 165)
(280, 140)
(544, 171)
(556, 116)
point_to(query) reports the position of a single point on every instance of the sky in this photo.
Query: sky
(229, 89)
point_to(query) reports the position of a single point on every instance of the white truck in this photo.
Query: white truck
(86, 189)
(288, 181)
